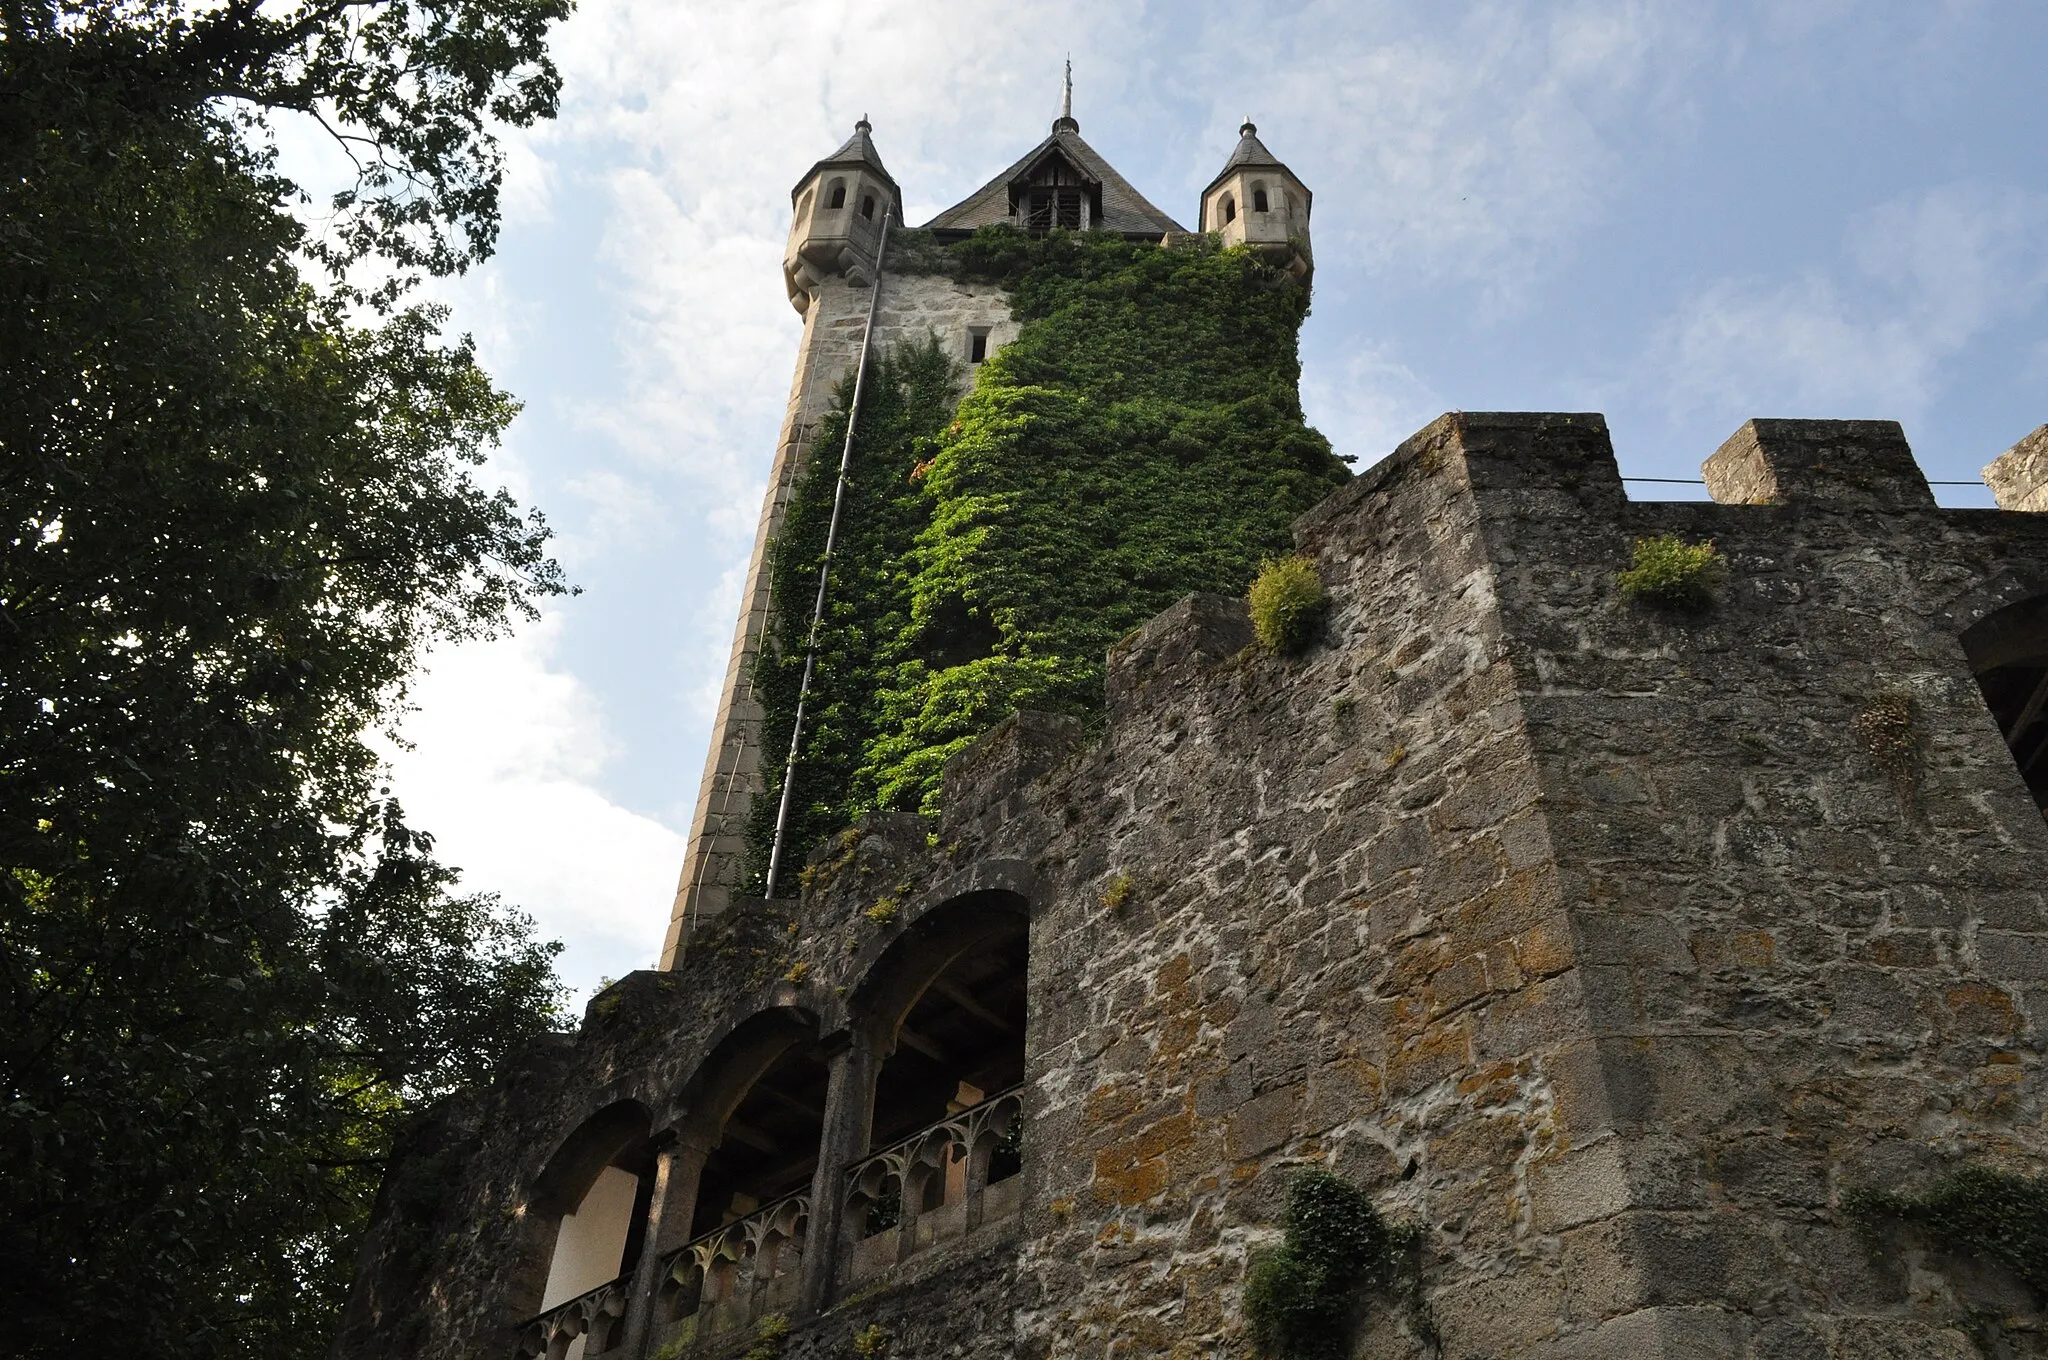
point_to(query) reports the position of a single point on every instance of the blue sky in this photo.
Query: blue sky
(1683, 215)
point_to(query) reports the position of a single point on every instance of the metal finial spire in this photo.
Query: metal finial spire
(1065, 122)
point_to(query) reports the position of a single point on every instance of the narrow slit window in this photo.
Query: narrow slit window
(867, 205)
(1259, 201)
(838, 198)
(1229, 209)
(977, 345)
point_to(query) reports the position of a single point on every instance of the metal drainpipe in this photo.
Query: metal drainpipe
(803, 693)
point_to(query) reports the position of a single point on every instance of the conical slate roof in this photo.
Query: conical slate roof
(1250, 153)
(857, 153)
(1124, 209)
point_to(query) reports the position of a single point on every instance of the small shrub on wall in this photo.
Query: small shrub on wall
(1670, 573)
(1302, 1296)
(1287, 604)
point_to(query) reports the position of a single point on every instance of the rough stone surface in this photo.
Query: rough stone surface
(2018, 478)
(1590, 939)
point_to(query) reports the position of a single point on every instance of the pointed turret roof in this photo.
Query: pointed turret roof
(858, 153)
(1250, 153)
(1124, 209)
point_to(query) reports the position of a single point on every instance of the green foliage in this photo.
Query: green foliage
(1300, 1297)
(1672, 574)
(1117, 893)
(1287, 604)
(409, 90)
(1976, 1212)
(872, 1342)
(231, 517)
(771, 1334)
(1141, 438)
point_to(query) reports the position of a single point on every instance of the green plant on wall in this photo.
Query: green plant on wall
(771, 1335)
(1670, 573)
(1141, 438)
(1993, 1216)
(1301, 1298)
(1287, 604)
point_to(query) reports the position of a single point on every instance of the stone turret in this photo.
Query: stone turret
(837, 225)
(1255, 200)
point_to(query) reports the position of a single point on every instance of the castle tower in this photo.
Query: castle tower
(1255, 200)
(832, 269)
(829, 266)
(835, 228)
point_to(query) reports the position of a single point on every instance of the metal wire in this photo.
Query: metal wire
(803, 693)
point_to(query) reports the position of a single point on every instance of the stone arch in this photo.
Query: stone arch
(2007, 648)
(945, 1006)
(835, 194)
(751, 1129)
(803, 208)
(1259, 200)
(1229, 209)
(583, 1229)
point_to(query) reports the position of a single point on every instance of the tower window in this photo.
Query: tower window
(1259, 201)
(1055, 206)
(977, 345)
(867, 205)
(838, 198)
(1229, 208)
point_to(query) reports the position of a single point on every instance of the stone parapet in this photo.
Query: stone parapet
(1846, 464)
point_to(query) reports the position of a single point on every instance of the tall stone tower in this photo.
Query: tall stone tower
(832, 265)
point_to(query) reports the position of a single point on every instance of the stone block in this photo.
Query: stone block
(1662, 1333)
(1263, 1123)
(1198, 632)
(2018, 478)
(1581, 1186)
(2013, 956)
(1852, 465)
(980, 779)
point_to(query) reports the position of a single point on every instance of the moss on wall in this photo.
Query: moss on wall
(1141, 438)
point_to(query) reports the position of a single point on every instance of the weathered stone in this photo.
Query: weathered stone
(1595, 942)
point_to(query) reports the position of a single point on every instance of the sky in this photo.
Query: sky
(1682, 215)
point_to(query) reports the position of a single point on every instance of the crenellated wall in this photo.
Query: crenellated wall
(1602, 943)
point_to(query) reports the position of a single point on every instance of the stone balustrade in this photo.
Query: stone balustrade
(735, 1272)
(597, 1316)
(943, 1181)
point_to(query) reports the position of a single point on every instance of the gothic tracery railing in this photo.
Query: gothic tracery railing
(734, 1266)
(933, 1182)
(598, 1314)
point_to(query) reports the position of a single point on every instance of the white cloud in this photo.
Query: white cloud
(1369, 404)
(506, 753)
(1463, 148)
(1919, 279)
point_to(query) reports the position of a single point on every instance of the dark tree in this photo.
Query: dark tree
(231, 516)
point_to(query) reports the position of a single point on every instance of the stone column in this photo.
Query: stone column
(677, 1171)
(849, 1123)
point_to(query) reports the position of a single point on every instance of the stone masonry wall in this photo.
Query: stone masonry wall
(1593, 940)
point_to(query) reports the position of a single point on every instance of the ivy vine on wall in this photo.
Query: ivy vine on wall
(1141, 438)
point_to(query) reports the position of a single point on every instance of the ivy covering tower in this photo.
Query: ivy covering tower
(1073, 412)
